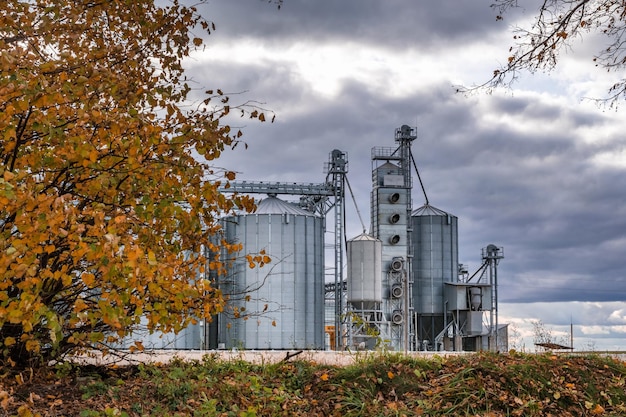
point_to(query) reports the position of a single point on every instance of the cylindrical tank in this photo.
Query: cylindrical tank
(283, 301)
(435, 260)
(192, 337)
(364, 282)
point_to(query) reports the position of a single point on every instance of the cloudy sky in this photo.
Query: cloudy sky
(538, 170)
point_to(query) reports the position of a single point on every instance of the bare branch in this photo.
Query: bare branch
(557, 25)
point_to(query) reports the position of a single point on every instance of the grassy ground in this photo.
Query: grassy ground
(377, 385)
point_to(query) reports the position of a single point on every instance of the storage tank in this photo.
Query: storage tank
(190, 338)
(435, 260)
(364, 281)
(286, 298)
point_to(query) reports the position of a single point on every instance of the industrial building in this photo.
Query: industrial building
(399, 287)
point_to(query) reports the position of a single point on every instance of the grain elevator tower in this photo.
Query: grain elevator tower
(391, 224)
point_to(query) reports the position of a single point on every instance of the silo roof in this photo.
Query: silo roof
(388, 166)
(428, 210)
(363, 236)
(274, 205)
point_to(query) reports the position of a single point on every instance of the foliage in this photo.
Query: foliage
(557, 25)
(106, 187)
(482, 384)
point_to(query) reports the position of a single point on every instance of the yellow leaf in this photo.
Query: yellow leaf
(80, 305)
(33, 346)
(324, 377)
(151, 258)
(390, 375)
(24, 411)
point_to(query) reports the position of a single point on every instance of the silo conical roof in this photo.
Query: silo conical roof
(274, 205)
(388, 166)
(363, 236)
(428, 210)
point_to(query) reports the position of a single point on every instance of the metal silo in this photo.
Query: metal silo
(435, 262)
(285, 308)
(190, 338)
(364, 282)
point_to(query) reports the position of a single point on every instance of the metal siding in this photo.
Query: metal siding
(364, 270)
(295, 286)
(435, 261)
(189, 338)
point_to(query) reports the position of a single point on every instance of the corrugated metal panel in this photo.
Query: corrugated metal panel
(435, 261)
(364, 255)
(292, 286)
(191, 337)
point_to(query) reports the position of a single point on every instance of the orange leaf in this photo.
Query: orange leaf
(88, 279)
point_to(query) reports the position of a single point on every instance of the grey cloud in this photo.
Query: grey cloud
(531, 187)
(394, 23)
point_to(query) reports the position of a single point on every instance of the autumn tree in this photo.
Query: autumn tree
(558, 25)
(107, 188)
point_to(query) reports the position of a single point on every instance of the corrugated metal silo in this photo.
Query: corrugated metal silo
(189, 338)
(435, 260)
(364, 283)
(288, 293)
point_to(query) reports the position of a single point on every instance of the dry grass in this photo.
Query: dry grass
(373, 385)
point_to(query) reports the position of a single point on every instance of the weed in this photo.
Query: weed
(94, 389)
(63, 369)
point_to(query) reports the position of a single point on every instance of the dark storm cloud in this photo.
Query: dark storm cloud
(393, 23)
(540, 196)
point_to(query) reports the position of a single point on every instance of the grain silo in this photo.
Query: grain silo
(190, 338)
(364, 281)
(281, 304)
(435, 262)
